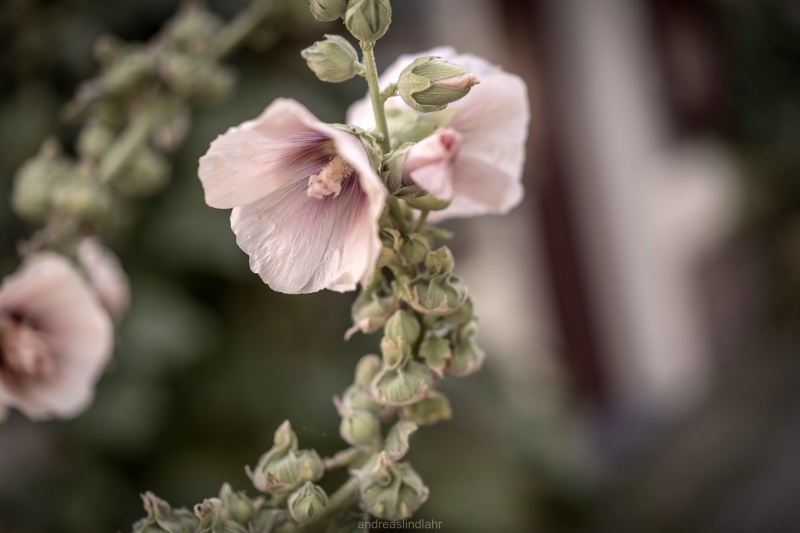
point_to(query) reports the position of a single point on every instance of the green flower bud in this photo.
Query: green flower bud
(35, 180)
(391, 491)
(440, 261)
(360, 428)
(397, 440)
(212, 520)
(428, 202)
(368, 20)
(333, 60)
(327, 10)
(266, 519)
(392, 241)
(128, 71)
(307, 503)
(147, 173)
(236, 506)
(467, 355)
(440, 294)
(431, 410)
(284, 468)
(464, 314)
(402, 331)
(430, 84)
(80, 195)
(193, 28)
(436, 352)
(366, 369)
(94, 139)
(196, 78)
(373, 307)
(416, 248)
(162, 518)
(401, 385)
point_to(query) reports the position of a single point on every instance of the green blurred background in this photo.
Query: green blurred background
(210, 361)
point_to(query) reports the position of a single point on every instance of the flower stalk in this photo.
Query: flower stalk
(375, 95)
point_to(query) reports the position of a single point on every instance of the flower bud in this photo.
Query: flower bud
(236, 506)
(391, 491)
(307, 503)
(373, 307)
(397, 440)
(333, 60)
(196, 77)
(430, 84)
(440, 294)
(162, 518)
(435, 408)
(402, 331)
(368, 20)
(416, 248)
(147, 173)
(440, 261)
(94, 139)
(284, 468)
(327, 10)
(211, 517)
(81, 196)
(467, 355)
(360, 427)
(35, 180)
(193, 28)
(436, 352)
(464, 314)
(428, 202)
(127, 71)
(404, 384)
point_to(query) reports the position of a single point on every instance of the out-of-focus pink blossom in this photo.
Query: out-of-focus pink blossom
(306, 200)
(55, 339)
(486, 171)
(106, 276)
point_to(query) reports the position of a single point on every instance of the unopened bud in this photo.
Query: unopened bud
(333, 60)
(391, 491)
(416, 248)
(284, 468)
(397, 440)
(162, 518)
(366, 369)
(80, 195)
(440, 261)
(307, 503)
(94, 139)
(194, 27)
(327, 10)
(146, 174)
(402, 331)
(236, 506)
(439, 294)
(467, 357)
(196, 77)
(360, 427)
(403, 384)
(373, 307)
(433, 409)
(436, 352)
(35, 180)
(368, 20)
(430, 84)
(211, 518)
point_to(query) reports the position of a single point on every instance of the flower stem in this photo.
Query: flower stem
(375, 95)
(242, 27)
(343, 498)
(131, 140)
(423, 217)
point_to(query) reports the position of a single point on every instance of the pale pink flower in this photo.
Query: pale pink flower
(106, 276)
(55, 339)
(306, 200)
(485, 173)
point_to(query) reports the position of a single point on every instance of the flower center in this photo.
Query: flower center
(23, 351)
(329, 180)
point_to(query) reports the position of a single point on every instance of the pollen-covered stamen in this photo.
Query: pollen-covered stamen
(329, 180)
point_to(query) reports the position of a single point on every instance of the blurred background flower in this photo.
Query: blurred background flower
(640, 309)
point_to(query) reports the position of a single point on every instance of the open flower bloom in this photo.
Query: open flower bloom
(106, 276)
(306, 200)
(55, 339)
(478, 159)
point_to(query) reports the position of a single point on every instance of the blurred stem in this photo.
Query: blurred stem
(135, 135)
(376, 96)
(423, 217)
(397, 214)
(340, 500)
(240, 28)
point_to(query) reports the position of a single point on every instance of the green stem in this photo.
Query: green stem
(423, 217)
(130, 141)
(343, 498)
(241, 27)
(397, 214)
(375, 95)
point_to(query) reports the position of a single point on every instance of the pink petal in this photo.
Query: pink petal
(106, 275)
(429, 162)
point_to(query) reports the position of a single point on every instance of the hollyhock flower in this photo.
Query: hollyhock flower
(106, 276)
(478, 158)
(55, 339)
(306, 200)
